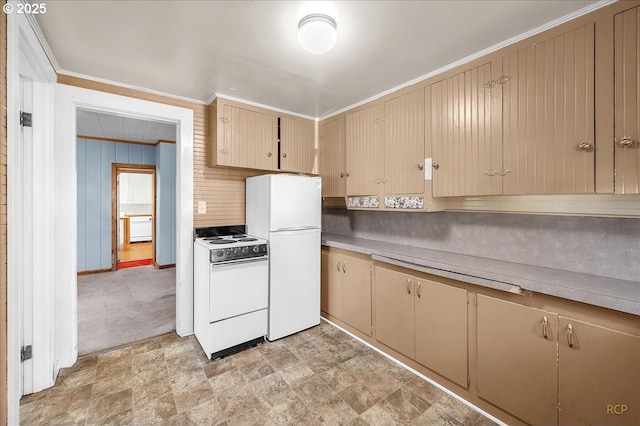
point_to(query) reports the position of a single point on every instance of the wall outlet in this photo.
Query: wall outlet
(202, 207)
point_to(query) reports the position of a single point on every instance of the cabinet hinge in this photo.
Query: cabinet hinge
(25, 119)
(26, 353)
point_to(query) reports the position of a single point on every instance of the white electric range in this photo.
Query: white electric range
(231, 290)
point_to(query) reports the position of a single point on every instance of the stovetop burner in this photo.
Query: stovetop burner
(230, 244)
(221, 241)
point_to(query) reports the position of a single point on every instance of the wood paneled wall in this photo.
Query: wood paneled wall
(3, 217)
(221, 188)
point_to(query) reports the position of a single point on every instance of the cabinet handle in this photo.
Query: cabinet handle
(585, 146)
(570, 335)
(342, 174)
(409, 285)
(418, 292)
(420, 166)
(284, 155)
(625, 142)
(224, 119)
(268, 154)
(436, 166)
(347, 174)
(338, 266)
(344, 267)
(545, 324)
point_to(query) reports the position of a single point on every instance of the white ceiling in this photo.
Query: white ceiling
(249, 49)
(101, 125)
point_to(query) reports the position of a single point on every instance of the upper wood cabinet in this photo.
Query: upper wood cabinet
(463, 125)
(404, 144)
(627, 101)
(385, 147)
(247, 136)
(332, 163)
(297, 145)
(364, 143)
(242, 137)
(548, 115)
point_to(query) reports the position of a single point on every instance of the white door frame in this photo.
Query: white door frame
(67, 100)
(26, 58)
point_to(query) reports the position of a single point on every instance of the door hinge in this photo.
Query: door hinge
(25, 119)
(26, 353)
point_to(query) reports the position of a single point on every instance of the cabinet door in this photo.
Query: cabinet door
(517, 366)
(332, 158)
(246, 138)
(331, 285)
(395, 310)
(297, 145)
(627, 101)
(363, 154)
(599, 375)
(404, 144)
(356, 294)
(441, 329)
(463, 126)
(548, 109)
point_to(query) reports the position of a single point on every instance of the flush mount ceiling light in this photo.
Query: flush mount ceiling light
(317, 33)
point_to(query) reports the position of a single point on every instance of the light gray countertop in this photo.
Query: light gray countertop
(620, 295)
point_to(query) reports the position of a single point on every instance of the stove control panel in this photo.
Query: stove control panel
(219, 255)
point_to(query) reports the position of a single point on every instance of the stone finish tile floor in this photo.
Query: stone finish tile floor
(318, 376)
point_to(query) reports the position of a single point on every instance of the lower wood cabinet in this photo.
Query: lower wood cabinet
(517, 367)
(538, 360)
(330, 285)
(441, 329)
(395, 310)
(346, 290)
(424, 320)
(599, 375)
(548, 369)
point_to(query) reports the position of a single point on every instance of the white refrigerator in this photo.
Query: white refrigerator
(285, 210)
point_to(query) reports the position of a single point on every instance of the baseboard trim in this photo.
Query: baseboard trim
(167, 266)
(94, 271)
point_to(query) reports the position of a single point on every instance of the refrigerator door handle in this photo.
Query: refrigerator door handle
(294, 229)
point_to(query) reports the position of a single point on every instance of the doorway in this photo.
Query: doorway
(133, 215)
(126, 229)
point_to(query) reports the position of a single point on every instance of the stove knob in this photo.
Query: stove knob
(245, 250)
(220, 253)
(228, 251)
(256, 249)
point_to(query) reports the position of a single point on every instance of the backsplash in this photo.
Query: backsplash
(608, 247)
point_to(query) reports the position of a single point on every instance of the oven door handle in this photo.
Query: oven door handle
(239, 262)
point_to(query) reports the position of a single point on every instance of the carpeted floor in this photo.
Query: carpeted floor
(124, 306)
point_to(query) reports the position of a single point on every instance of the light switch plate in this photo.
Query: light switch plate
(202, 207)
(428, 168)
